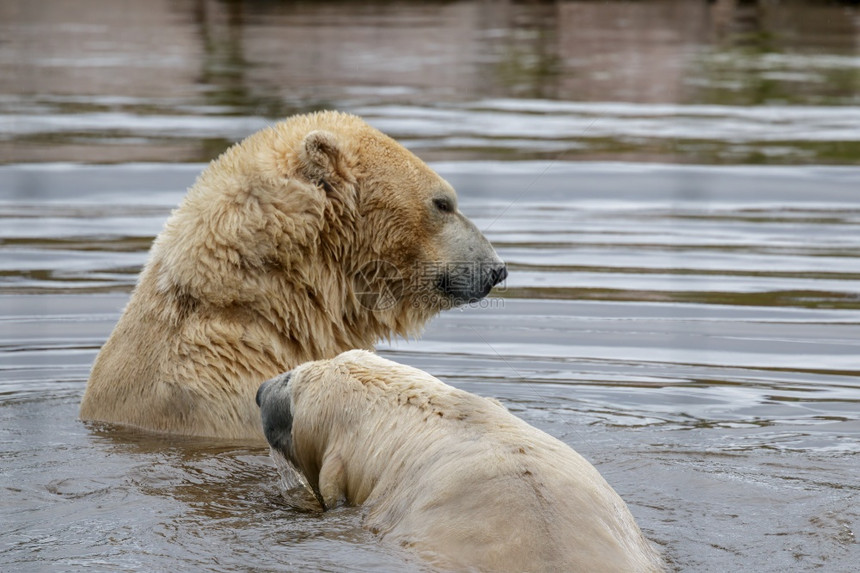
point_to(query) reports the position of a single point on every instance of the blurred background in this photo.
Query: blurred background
(674, 185)
(727, 81)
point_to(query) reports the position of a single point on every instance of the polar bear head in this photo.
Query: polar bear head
(341, 421)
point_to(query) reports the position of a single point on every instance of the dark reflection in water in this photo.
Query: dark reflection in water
(177, 81)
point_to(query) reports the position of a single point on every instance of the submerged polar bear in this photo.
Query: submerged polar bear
(447, 473)
(317, 235)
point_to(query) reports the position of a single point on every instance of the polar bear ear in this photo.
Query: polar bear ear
(323, 161)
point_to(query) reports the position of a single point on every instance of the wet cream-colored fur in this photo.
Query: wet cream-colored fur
(447, 473)
(264, 265)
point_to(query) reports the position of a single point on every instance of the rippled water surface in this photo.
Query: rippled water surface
(692, 330)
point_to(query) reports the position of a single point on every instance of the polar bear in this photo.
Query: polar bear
(317, 235)
(447, 473)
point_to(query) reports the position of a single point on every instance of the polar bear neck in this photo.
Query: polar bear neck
(252, 274)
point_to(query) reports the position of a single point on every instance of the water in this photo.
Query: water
(695, 340)
(670, 81)
(691, 329)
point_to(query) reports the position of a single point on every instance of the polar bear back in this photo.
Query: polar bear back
(527, 500)
(452, 475)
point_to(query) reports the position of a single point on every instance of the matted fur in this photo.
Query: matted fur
(450, 474)
(256, 271)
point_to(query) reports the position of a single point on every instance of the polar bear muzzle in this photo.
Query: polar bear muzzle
(472, 268)
(470, 282)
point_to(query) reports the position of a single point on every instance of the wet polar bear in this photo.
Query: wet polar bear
(317, 235)
(447, 473)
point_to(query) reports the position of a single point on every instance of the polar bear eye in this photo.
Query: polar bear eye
(443, 205)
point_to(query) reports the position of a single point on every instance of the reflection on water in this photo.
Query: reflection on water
(177, 81)
(693, 330)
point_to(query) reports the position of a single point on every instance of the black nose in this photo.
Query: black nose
(498, 274)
